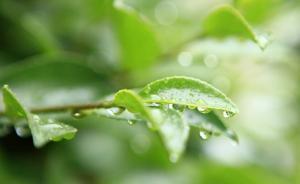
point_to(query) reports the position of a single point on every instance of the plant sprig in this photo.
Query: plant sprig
(170, 106)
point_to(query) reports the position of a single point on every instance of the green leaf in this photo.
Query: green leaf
(173, 130)
(13, 107)
(226, 21)
(45, 130)
(168, 122)
(191, 92)
(138, 45)
(42, 130)
(209, 123)
(258, 11)
(134, 103)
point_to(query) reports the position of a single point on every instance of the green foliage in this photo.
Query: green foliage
(130, 26)
(42, 130)
(226, 21)
(64, 60)
(166, 105)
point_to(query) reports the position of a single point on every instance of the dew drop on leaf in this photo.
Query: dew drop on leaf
(170, 106)
(203, 109)
(227, 114)
(22, 131)
(36, 118)
(130, 122)
(192, 107)
(115, 111)
(77, 115)
(204, 134)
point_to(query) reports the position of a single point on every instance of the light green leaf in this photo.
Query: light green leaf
(173, 130)
(42, 130)
(45, 130)
(258, 11)
(168, 122)
(188, 91)
(226, 21)
(138, 45)
(209, 124)
(134, 103)
(13, 107)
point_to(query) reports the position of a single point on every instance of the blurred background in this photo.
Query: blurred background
(76, 51)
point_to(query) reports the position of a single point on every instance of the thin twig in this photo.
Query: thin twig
(71, 108)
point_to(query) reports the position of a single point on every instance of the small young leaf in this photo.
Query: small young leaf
(209, 122)
(187, 91)
(134, 103)
(42, 130)
(13, 107)
(226, 21)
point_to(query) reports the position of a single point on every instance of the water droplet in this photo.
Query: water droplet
(36, 118)
(154, 105)
(131, 122)
(227, 114)
(211, 61)
(174, 157)
(115, 111)
(192, 107)
(203, 109)
(170, 106)
(185, 59)
(22, 131)
(263, 41)
(204, 134)
(179, 107)
(166, 12)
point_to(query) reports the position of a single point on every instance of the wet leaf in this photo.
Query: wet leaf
(187, 91)
(134, 103)
(226, 21)
(209, 122)
(173, 130)
(42, 130)
(168, 122)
